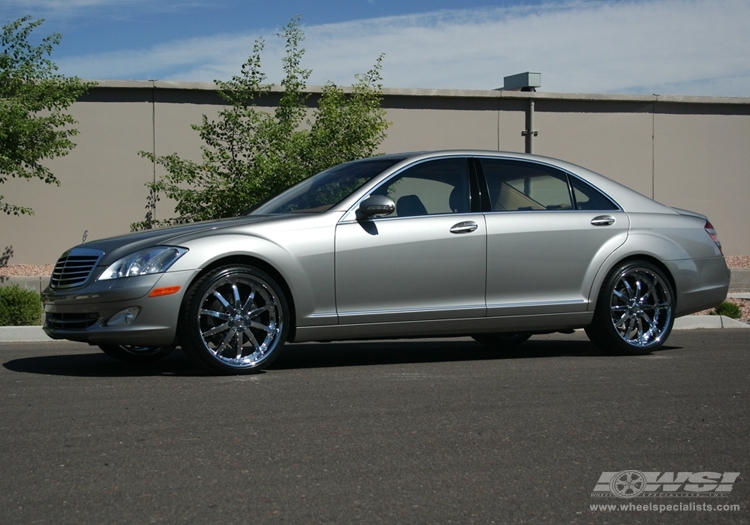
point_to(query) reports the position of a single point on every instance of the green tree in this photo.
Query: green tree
(33, 100)
(250, 154)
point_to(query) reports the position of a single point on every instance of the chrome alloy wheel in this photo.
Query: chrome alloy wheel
(641, 306)
(240, 319)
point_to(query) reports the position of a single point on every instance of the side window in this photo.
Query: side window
(430, 188)
(524, 186)
(589, 198)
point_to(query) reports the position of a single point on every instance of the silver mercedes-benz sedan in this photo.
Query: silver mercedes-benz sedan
(497, 246)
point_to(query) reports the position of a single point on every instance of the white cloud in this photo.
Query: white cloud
(646, 46)
(65, 5)
(66, 10)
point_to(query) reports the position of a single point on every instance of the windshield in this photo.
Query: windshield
(321, 192)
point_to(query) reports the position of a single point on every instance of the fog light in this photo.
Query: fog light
(125, 317)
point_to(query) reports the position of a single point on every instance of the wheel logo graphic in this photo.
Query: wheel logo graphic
(628, 484)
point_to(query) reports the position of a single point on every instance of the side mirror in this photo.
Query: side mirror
(375, 205)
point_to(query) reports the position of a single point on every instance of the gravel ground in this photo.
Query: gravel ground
(738, 261)
(31, 270)
(26, 270)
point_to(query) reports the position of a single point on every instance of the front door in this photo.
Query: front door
(425, 261)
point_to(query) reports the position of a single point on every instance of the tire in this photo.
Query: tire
(502, 340)
(234, 320)
(137, 354)
(635, 310)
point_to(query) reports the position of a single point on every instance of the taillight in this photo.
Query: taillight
(712, 232)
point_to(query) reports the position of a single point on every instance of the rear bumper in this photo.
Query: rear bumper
(701, 283)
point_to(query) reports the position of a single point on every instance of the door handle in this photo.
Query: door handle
(603, 220)
(464, 227)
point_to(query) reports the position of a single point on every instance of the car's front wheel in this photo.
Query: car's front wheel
(137, 354)
(635, 310)
(234, 320)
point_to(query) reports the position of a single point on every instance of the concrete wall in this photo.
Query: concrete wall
(688, 152)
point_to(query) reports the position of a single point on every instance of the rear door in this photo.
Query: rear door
(548, 233)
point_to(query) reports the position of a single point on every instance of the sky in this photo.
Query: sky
(667, 47)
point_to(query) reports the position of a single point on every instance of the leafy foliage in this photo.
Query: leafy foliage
(251, 154)
(33, 100)
(19, 307)
(728, 309)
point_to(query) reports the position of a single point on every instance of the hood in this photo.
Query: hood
(122, 245)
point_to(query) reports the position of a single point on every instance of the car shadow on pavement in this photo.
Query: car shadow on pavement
(98, 364)
(353, 353)
(317, 355)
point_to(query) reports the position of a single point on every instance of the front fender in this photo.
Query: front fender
(304, 262)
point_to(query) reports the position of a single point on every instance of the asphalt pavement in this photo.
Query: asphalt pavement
(422, 431)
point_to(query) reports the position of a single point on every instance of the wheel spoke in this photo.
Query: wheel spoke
(239, 345)
(249, 302)
(219, 315)
(237, 301)
(215, 330)
(259, 326)
(628, 289)
(639, 322)
(223, 301)
(631, 327)
(255, 313)
(224, 344)
(251, 337)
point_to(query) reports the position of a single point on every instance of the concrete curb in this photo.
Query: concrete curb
(20, 334)
(693, 322)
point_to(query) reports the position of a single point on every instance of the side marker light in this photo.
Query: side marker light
(167, 290)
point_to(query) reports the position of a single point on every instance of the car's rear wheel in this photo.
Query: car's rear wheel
(502, 340)
(234, 320)
(137, 354)
(635, 310)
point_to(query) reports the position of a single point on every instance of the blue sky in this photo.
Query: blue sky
(674, 47)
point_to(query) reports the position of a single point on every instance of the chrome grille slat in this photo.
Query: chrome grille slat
(75, 267)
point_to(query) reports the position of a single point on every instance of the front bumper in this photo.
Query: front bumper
(82, 313)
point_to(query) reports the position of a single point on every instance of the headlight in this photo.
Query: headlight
(152, 260)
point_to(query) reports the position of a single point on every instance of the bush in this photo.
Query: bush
(19, 307)
(728, 309)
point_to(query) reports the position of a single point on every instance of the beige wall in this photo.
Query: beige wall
(691, 153)
(702, 163)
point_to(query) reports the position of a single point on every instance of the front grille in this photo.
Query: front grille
(75, 267)
(60, 321)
